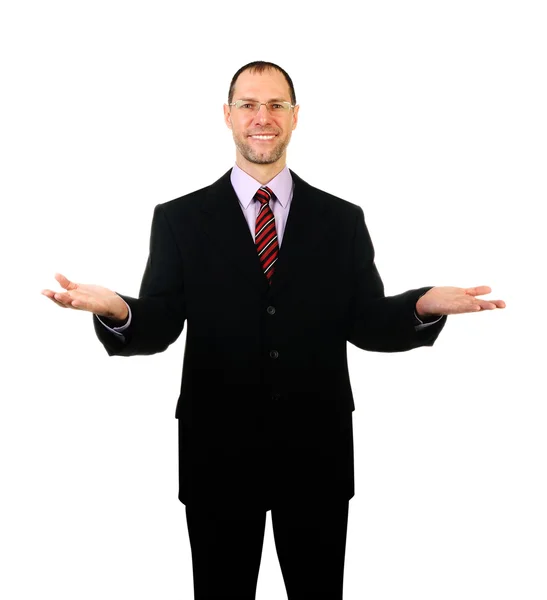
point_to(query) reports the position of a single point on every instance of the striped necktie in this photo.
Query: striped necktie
(265, 233)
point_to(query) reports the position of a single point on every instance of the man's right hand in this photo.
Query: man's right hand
(92, 298)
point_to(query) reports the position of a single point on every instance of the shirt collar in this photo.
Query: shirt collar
(246, 186)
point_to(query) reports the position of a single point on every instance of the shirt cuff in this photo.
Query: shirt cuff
(422, 325)
(109, 323)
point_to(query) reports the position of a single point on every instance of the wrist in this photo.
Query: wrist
(119, 312)
(423, 315)
(121, 317)
(420, 313)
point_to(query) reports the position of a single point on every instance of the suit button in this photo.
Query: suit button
(274, 353)
(271, 310)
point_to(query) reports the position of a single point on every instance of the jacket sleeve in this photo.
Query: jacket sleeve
(377, 322)
(158, 314)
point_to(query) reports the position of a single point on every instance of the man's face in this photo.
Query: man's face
(275, 129)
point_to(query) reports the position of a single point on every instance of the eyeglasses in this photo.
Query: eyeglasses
(251, 107)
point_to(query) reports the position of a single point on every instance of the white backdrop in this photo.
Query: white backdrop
(431, 116)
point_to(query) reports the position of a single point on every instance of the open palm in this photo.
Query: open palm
(88, 297)
(448, 300)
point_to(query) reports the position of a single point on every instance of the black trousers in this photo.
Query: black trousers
(310, 541)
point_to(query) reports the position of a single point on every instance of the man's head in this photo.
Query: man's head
(261, 133)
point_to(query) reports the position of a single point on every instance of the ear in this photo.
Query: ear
(227, 116)
(295, 116)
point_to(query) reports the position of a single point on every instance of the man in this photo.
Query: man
(273, 277)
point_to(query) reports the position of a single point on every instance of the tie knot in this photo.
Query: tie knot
(264, 194)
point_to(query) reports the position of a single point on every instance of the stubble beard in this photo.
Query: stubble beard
(261, 158)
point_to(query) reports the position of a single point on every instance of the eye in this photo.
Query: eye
(277, 106)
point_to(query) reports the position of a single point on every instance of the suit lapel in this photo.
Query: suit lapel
(306, 226)
(225, 224)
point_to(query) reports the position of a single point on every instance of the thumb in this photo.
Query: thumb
(64, 282)
(479, 290)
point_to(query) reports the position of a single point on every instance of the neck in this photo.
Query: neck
(262, 173)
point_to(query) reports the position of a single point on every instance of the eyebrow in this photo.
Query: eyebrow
(270, 100)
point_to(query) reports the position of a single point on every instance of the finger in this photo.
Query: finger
(59, 303)
(80, 305)
(498, 303)
(64, 282)
(56, 302)
(78, 300)
(486, 304)
(57, 297)
(51, 295)
(69, 302)
(479, 290)
(62, 298)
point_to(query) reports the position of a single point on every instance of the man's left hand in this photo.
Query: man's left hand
(447, 300)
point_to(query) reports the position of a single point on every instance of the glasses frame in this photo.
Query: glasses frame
(285, 103)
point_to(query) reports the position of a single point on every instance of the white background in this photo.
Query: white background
(432, 117)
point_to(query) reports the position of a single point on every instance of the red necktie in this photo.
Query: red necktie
(265, 233)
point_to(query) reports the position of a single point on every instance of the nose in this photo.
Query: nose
(263, 114)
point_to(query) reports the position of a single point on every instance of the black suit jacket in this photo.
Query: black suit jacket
(265, 406)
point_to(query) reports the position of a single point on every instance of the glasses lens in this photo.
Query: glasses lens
(252, 106)
(247, 105)
(278, 106)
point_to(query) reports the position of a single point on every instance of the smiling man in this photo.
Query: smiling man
(273, 277)
(262, 129)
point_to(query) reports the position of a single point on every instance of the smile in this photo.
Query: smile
(263, 137)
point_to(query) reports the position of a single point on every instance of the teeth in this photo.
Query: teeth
(263, 137)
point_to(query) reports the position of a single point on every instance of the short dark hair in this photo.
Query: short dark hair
(259, 66)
